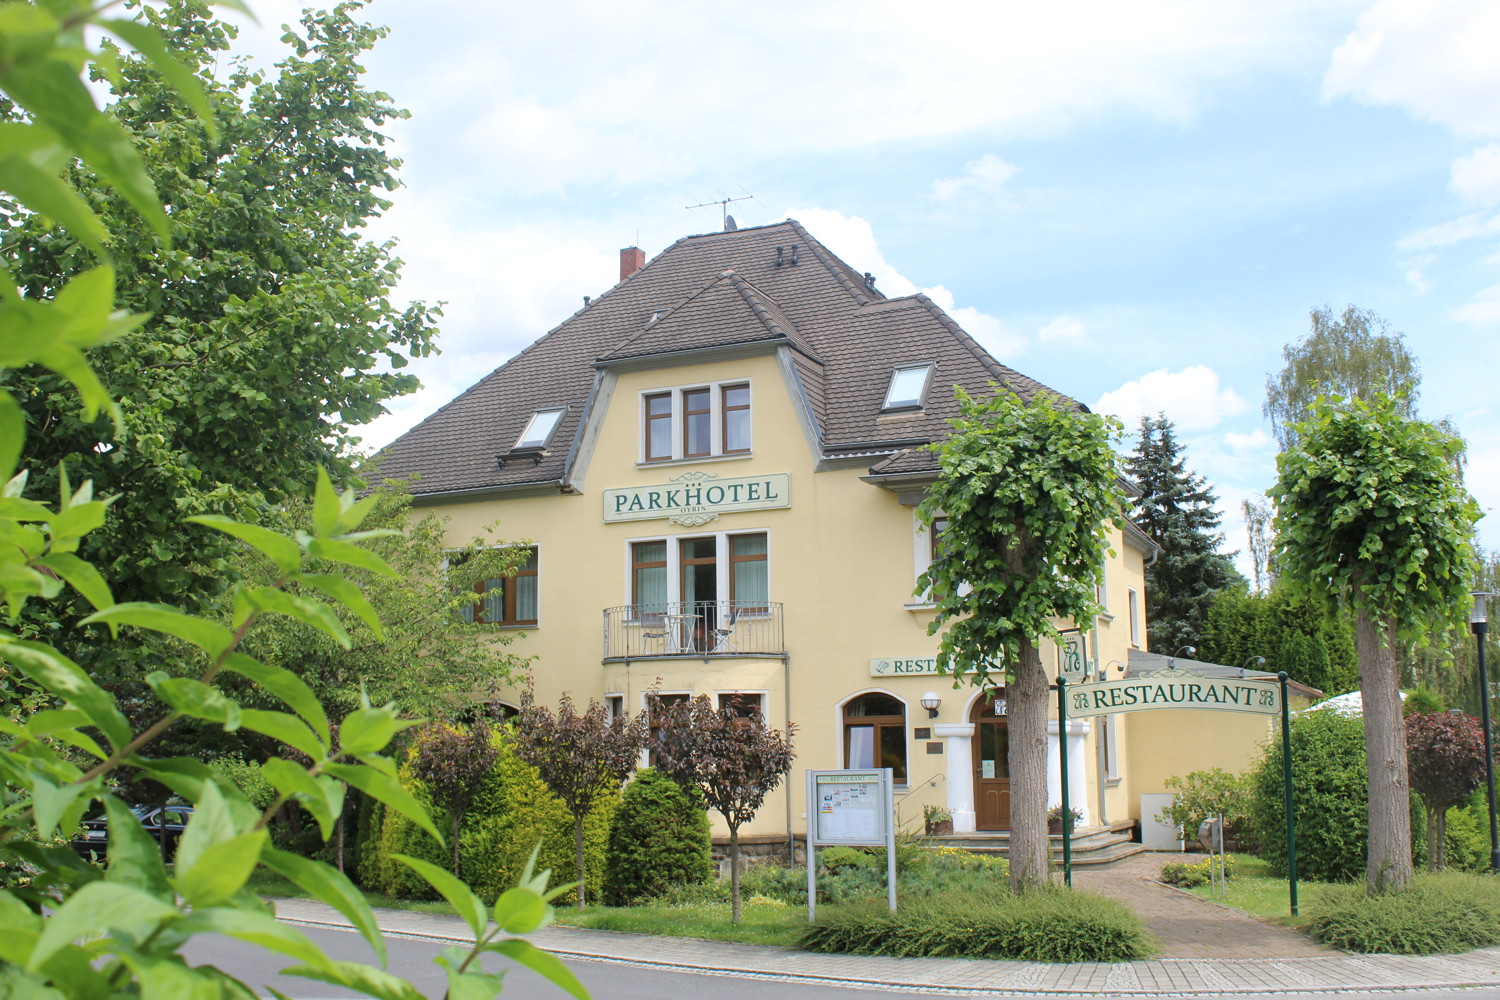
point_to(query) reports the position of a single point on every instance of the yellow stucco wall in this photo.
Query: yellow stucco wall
(842, 562)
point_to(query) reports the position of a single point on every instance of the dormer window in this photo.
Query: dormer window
(908, 387)
(539, 428)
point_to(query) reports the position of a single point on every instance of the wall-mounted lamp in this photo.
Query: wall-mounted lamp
(1257, 661)
(1172, 660)
(931, 702)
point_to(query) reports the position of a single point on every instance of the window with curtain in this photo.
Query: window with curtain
(748, 580)
(507, 600)
(648, 578)
(875, 734)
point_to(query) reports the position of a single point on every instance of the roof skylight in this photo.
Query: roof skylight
(539, 428)
(908, 387)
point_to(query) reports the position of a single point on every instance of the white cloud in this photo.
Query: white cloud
(1256, 440)
(984, 176)
(1476, 177)
(1062, 328)
(1444, 234)
(1192, 398)
(1416, 274)
(1484, 310)
(1434, 58)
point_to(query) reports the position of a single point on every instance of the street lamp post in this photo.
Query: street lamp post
(1479, 622)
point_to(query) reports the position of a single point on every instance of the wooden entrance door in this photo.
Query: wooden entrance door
(991, 764)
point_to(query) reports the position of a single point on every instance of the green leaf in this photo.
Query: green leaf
(211, 823)
(328, 885)
(326, 506)
(347, 594)
(259, 928)
(285, 685)
(64, 679)
(458, 895)
(82, 576)
(349, 554)
(360, 978)
(520, 910)
(324, 797)
(43, 191)
(387, 790)
(369, 730)
(194, 698)
(221, 870)
(309, 612)
(211, 637)
(148, 41)
(281, 550)
(12, 434)
(99, 907)
(542, 963)
(134, 855)
(284, 728)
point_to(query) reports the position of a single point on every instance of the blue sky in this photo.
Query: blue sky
(1137, 204)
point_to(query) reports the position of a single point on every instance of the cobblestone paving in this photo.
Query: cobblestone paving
(1190, 927)
(1274, 970)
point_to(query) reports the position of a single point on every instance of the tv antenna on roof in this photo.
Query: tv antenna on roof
(723, 203)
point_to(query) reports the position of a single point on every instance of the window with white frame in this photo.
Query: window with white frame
(908, 388)
(722, 568)
(695, 421)
(1133, 609)
(928, 538)
(1109, 752)
(506, 600)
(540, 428)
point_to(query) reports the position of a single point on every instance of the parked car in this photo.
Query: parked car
(165, 823)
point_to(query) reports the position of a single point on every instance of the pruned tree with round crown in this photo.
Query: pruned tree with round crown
(1030, 492)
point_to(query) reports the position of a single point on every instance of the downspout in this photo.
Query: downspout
(786, 687)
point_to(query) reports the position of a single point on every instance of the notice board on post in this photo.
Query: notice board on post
(856, 808)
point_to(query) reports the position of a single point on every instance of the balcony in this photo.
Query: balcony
(700, 629)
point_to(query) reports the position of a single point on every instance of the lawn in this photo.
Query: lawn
(761, 923)
(1265, 896)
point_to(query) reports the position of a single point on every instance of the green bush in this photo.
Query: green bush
(1203, 794)
(1187, 874)
(510, 815)
(834, 860)
(659, 839)
(1330, 794)
(1442, 913)
(1045, 925)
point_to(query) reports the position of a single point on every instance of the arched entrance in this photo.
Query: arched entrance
(991, 762)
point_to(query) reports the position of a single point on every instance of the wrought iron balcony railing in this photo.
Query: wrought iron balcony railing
(693, 628)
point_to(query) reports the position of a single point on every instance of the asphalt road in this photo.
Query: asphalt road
(412, 959)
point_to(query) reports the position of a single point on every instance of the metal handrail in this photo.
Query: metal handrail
(693, 628)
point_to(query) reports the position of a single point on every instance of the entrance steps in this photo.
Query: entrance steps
(1093, 846)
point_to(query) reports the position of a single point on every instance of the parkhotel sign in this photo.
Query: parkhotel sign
(695, 498)
(1171, 688)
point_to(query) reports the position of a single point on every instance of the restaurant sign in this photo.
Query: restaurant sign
(695, 498)
(1171, 688)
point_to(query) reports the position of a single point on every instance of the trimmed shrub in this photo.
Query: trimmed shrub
(1330, 794)
(1187, 874)
(1044, 925)
(1442, 913)
(659, 839)
(512, 812)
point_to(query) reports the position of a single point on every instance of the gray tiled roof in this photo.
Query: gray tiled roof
(714, 290)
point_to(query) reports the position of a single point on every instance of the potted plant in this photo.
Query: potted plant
(937, 820)
(1055, 819)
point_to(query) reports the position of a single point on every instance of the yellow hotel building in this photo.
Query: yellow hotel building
(717, 462)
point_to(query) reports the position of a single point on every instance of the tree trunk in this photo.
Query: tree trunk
(455, 846)
(1026, 708)
(1432, 840)
(339, 827)
(1388, 866)
(578, 856)
(734, 875)
(1441, 850)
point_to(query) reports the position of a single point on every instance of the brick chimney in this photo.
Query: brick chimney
(632, 259)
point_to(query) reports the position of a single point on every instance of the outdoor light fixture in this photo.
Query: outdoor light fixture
(1479, 622)
(931, 702)
(1172, 660)
(1259, 661)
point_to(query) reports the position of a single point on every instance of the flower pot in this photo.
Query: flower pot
(1054, 827)
(939, 827)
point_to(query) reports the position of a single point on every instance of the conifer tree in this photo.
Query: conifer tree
(1176, 508)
